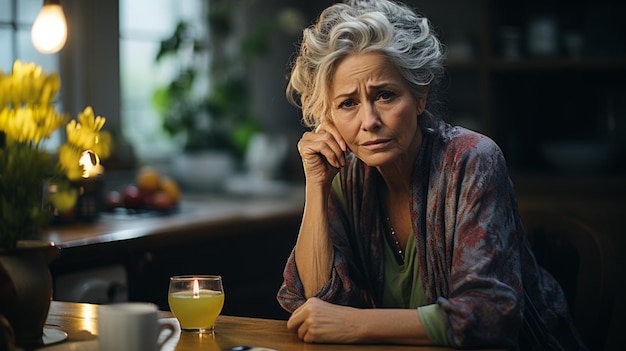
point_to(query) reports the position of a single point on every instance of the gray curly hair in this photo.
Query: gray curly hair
(359, 26)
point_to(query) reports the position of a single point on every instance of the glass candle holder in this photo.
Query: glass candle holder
(90, 200)
(196, 301)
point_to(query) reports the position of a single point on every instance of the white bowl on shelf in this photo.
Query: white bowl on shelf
(204, 171)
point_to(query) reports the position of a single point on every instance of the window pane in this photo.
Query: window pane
(141, 74)
(5, 10)
(6, 59)
(27, 11)
(143, 24)
(192, 10)
(19, 39)
(142, 128)
(154, 17)
(26, 52)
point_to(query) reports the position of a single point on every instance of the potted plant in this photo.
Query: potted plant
(27, 120)
(220, 120)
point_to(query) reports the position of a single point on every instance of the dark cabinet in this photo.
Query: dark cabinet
(544, 79)
(250, 257)
(131, 257)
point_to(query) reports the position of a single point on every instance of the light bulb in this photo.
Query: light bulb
(49, 31)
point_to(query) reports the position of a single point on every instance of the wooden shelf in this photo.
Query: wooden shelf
(537, 63)
(557, 64)
(525, 102)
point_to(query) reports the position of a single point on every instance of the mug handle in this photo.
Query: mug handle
(166, 326)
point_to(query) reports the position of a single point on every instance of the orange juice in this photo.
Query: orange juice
(196, 311)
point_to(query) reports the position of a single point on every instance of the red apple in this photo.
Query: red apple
(162, 201)
(114, 200)
(131, 197)
(147, 199)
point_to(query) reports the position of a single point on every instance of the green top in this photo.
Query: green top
(403, 285)
(403, 289)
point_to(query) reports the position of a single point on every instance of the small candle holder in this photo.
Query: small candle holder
(90, 201)
(196, 301)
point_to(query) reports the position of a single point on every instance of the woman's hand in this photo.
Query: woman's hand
(322, 153)
(318, 321)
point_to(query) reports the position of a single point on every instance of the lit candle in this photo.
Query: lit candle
(196, 289)
(90, 188)
(196, 307)
(91, 164)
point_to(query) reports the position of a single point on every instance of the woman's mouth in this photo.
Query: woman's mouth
(376, 144)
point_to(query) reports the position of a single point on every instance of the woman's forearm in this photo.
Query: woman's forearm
(396, 326)
(314, 250)
(318, 321)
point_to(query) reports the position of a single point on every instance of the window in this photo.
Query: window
(143, 24)
(16, 19)
(109, 63)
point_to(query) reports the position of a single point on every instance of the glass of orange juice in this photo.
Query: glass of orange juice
(196, 301)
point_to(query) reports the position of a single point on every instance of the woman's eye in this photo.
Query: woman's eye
(385, 95)
(347, 104)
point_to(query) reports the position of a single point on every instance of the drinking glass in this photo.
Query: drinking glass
(196, 301)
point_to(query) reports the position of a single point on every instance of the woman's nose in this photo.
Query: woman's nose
(370, 118)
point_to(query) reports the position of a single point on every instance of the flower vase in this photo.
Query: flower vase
(26, 288)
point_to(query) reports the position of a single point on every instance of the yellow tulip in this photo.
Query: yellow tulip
(28, 117)
(69, 158)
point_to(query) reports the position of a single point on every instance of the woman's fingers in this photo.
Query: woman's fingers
(314, 144)
(321, 321)
(326, 127)
(298, 318)
(296, 321)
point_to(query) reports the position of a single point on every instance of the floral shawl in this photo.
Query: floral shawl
(473, 257)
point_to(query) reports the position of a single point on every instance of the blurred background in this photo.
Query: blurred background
(546, 81)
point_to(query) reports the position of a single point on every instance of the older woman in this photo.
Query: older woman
(410, 232)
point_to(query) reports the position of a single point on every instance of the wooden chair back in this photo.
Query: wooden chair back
(583, 261)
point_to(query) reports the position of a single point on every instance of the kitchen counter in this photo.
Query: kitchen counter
(195, 212)
(245, 239)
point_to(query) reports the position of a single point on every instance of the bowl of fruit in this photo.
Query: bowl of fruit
(151, 192)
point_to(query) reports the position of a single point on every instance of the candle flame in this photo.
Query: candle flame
(196, 289)
(90, 163)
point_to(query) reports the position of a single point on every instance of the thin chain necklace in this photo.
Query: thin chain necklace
(391, 236)
(399, 253)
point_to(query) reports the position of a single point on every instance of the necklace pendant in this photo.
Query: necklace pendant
(400, 255)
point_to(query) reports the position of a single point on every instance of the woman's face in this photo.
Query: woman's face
(374, 110)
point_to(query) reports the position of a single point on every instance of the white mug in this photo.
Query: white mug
(131, 326)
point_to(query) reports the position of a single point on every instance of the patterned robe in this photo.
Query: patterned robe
(473, 256)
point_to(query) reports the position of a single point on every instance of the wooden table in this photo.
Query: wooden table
(79, 321)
